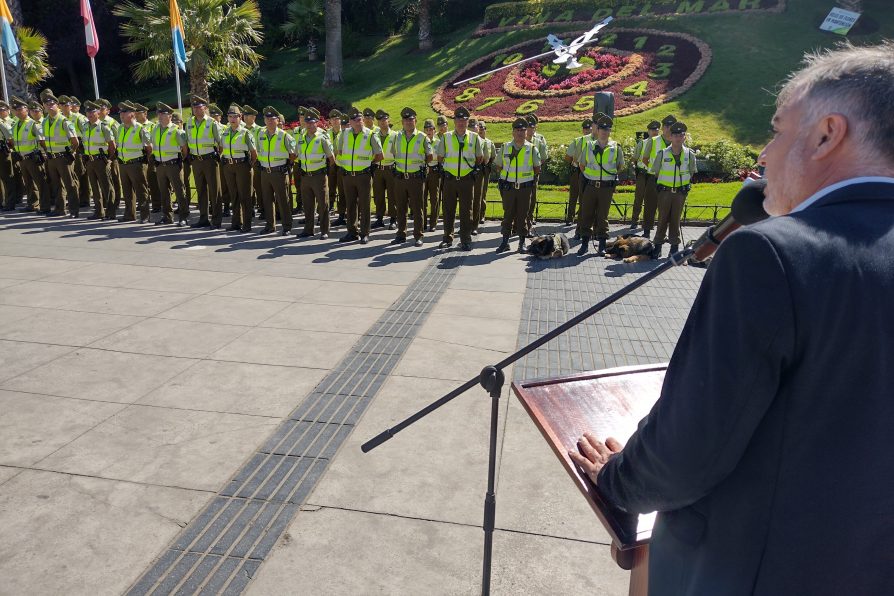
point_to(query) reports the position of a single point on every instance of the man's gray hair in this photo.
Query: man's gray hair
(857, 82)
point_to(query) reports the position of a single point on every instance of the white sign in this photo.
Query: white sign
(840, 21)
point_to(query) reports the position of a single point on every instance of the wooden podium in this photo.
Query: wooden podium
(609, 403)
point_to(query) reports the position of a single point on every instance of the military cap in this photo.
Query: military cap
(64, 100)
(176, 119)
(369, 113)
(408, 113)
(532, 119)
(3, 105)
(344, 119)
(126, 106)
(138, 107)
(668, 120)
(214, 110)
(520, 123)
(587, 123)
(334, 114)
(198, 100)
(74, 100)
(104, 103)
(481, 124)
(270, 112)
(678, 128)
(311, 115)
(249, 111)
(605, 123)
(442, 120)
(47, 95)
(473, 122)
(234, 109)
(653, 125)
(461, 113)
(18, 102)
(354, 113)
(279, 115)
(89, 106)
(302, 111)
(381, 114)
(33, 105)
(429, 123)
(163, 108)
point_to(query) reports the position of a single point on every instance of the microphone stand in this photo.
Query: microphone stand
(492, 379)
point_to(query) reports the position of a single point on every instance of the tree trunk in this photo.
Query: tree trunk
(333, 73)
(15, 76)
(425, 41)
(198, 80)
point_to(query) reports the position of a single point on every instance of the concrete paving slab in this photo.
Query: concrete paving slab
(433, 359)
(100, 375)
(179, 448)
(237, 388)
(111, 275)
(102, 532)
(18, 357)
(264, 287)
(397, 478)
(34, 426)
(6, 473)
(14, 267)
(493, 305)
(224, 310)
(61, 327)
(374, 554)
(499, 335)
(182, 280)
(354, 294)
(287, 347)
(324, 317)
(96, 299)
(165, 337)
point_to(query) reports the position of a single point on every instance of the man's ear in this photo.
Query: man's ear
(828, 135)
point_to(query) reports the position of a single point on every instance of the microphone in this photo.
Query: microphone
(747, 208)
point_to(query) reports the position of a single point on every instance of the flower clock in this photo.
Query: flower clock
(642, 67)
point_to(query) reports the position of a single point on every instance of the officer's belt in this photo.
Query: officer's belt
(56, 155)
(675, 189)
(318, 172)
(420, 173)
(203, 156)
(600, 183)
(463, 177)
(279, 169)
(127, 162)
(234, 160)
(363, 172)
(168, 162)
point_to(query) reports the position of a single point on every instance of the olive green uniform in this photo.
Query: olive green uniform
(58, 132)
(599, 179)
(96, 138)
(9, 187)
(355, 154)
(203, 139)
(314, 156)
(235, 168)
(459, 181)
(672, 193)
(383, 178)
(167, 153)
(273, 168)
(132, 165)
(26, 152)
(479, 206)
(410, 152)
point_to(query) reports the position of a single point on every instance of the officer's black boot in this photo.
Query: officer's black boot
(504, 246)
(584, 245)
(601, 251)
(656, 252)
(646, 232)
(521, 246)
(675, 248)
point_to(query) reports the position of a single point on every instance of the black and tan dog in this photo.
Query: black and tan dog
(550, 246)
(630, 249)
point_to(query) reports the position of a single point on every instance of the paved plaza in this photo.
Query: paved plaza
(182, 411)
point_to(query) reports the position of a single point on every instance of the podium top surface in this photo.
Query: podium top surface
(608, 403)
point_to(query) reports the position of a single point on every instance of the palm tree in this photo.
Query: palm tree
(422, 10)
(333, 72)
(33, 56)
(305, 21)
(220, 39)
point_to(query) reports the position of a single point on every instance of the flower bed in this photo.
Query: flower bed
(641, 67)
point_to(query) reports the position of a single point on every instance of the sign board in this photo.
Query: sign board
(840, 21)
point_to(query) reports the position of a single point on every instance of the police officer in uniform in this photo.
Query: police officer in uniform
(9, 191)
(642, 172)
(26, 135)
(460, 155)
(133, 147)
(105, 107)
(673, 169)
(539, 142)
(344, 122)
(298, 133)
(600, 161)
(412, 151)
(369, 116)
(490, 153)
(315, 155)
(433, 178)
(60, 141)
(238, 153)
(276, 152)
(650, 150)
(99, 150)
(249, 117)
(169, 148)
(203, 138)
(383, 175)
(335, 200)
(358, 149)
(70, 107)
(142, 116)
(571, 156)
(518, 163)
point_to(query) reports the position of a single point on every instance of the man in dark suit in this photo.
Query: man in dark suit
(770, 453)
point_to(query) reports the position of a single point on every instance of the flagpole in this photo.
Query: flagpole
(95, 83)
(3, 75)
(177, 78)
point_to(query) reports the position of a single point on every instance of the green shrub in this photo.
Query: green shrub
(727, 158)
(557, 170)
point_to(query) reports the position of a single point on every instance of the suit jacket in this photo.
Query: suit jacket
(770, 453)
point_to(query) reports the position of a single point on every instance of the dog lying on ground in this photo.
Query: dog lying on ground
(551, 246)
(630, 249)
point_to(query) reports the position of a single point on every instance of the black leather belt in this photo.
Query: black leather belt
(204, 157)
(94, 157)
(57, 155)
(229, 161)
(320, 172)
(602, 183)
(506, 185)
(365, 172)
(463, 177)
(675, 189)
(127, 162)
(278, 169)
(169, 162)
(410, 175)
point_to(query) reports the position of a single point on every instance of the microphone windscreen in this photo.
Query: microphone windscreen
(748, 204)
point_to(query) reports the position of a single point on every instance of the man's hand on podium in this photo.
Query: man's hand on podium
(594, 453)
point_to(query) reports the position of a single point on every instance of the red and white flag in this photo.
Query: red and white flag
(89, 29)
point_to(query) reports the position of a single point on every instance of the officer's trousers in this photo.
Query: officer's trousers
(237, 181)
(168, 176)
(357, 196)
(408, 195)
(458, 191)
(63, 193)
(515, 209)
(315, 193)
(670, 211)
